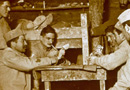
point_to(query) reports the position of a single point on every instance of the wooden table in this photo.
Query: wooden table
(71, 73)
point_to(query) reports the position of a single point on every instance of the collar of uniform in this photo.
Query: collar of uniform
(124, 43)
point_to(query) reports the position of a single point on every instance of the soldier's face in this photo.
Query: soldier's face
(48, 39)
(20, 44)
(4, 9)
(119, 37)
(126, 32)
(111, 38)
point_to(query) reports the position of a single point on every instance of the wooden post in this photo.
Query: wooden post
(96, 8)
(102, 84)
(85, 41)
(47, 85)
(95, 15)
(96, 12)
(36, 82)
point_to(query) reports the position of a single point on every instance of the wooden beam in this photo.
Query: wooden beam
(67, 75)
(67, 32)
(96, 9)
(71, 67)
(85, 40)
(73, 43)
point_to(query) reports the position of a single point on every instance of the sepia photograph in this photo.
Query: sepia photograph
(64, 44)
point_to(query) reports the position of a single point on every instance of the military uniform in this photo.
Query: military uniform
(13, 68)
(4, 28)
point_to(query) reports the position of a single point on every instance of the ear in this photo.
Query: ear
(13, 44)
(126, 27)
(40, 37)
(122, 36)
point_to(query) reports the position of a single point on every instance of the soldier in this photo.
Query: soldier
(123, 79)
(14, 65)
(4, 27)
(120, 56)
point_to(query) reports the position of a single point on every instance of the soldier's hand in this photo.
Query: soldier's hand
(53, 53)
(92, 60)
(61, 53)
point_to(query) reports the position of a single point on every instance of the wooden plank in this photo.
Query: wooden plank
(74, 43)
(59, 67)
(89, 67)
(85, 40)
(69, 75)
(49, 8)
(67, 32)
(71, 67)
(101, 73)
(62, 33)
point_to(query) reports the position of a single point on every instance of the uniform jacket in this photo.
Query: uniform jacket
(13, 68)
(4, 28)
(113, 60)
(123, 77)
(38, 50)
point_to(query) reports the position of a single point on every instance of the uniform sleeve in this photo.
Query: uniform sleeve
(123, 80)
(113, 60)
(49, 60)
(19, 62)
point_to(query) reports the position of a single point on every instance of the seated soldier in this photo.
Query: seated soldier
(123, 79)
(14, 64)
(111, 42)
(115, 59)
(45, 45)
(44, 48)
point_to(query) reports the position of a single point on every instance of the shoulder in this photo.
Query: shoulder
(9, 52)
(35, 43)
(8, 49)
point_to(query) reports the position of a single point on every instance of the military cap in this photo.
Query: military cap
(13, 33)
(41, 21)
(124, 16)
(100, 30)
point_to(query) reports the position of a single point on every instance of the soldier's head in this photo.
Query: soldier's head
(4, 8)
(114, 36)
(16, 39)
(48, 36)
(124, 23)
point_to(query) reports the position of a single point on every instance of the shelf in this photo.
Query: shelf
(49, 8)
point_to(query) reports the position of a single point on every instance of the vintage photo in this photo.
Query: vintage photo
(64, 45)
